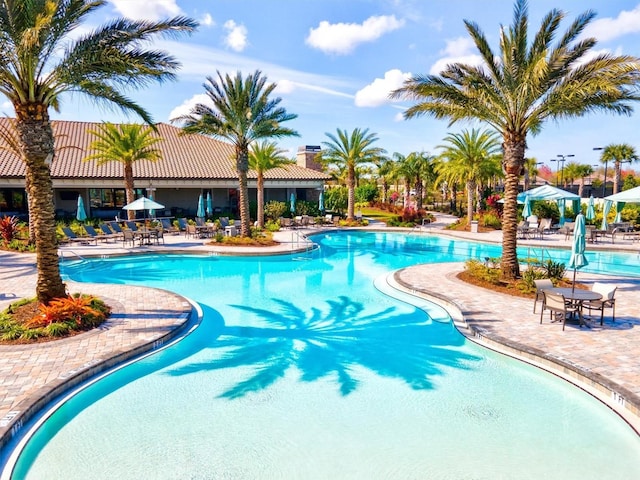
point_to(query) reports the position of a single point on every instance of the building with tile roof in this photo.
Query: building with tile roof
(191, 165)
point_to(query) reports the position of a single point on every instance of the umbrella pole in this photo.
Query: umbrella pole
(573, 285)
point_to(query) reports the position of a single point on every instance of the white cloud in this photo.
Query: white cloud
(398, 117)
(186, 106)
(153, 10)
(236, 38)
(377, 92)
(605, 29)
(207, 20)
(343, 38)
(284, 86)
(458, 50)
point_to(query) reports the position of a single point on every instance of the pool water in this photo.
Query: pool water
(301, 368)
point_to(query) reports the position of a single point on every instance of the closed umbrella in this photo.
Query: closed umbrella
(292, 203)
(200, 212)
(321, 202)
(526, 211)
(209, 204)
(81, 215)
(591, 211)
(578, 258)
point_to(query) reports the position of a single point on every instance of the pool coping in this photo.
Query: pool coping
(12, 424)
(619, 399)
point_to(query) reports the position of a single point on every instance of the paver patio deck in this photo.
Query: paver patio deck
(143, 318)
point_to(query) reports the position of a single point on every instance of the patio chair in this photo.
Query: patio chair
(182, 225)
(159, 235)
(72, 237)
(115, 226)
(559, 307)
(608, 300)
(542, 284)
(128, 237)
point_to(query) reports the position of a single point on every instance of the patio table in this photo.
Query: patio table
(577, 297)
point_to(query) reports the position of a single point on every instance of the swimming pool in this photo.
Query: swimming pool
(302, 369)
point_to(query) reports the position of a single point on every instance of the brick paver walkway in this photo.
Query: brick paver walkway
(143, 318)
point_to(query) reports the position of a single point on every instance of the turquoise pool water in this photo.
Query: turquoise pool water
(301, 368)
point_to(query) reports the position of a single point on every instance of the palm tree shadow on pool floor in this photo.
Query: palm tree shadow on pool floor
(333, 342)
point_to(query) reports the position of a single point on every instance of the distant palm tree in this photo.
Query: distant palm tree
(126, 144)
(424, 173)
(404, 170)
(618, 153)
(530, 171)
(470, 157)
(242, 113)
(349, 151)
(41, 57)
(265, 156)
(385, 174)
(517, 89)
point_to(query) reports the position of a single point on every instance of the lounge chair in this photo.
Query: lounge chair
(94, 234)
(542, 284)
(182, 225)
(608, 300)
(72, 237)
(106, 230)
(559, 307)
(115, 226)
(133, 226)
(168, 227)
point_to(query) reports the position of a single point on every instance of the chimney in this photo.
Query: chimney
(306, 157)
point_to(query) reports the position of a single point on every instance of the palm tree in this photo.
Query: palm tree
(516, 90)
(470, 157)
(265, 156)
(242, 113)
(42, 57)
(424, 173)
(386, 173)
(404, 170)
(618, 154)
(348, 152)
(530, 170)
(125, 144)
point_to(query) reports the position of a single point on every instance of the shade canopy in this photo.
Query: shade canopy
(549, 192)
(526, 211)
(81, 214)
(142, 203)
(620, 199)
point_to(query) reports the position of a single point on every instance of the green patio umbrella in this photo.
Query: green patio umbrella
(591, 211)
(209, 204)
(81, 215)
(292, 203)
(321, 202)
(578, 258)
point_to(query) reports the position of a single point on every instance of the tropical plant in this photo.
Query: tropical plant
(275, 209)
(336, 199)
(265, 156)
(523, 85)
(618, 153)
(242, 113)
(348, 152)
(126, 144)
(469, 157)
(8, 228)
(42, 57)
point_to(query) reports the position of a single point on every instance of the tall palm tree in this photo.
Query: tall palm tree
(618, 153)
(517, 89)
(386, 167)
(126, 144)
(242, 113)
(470, 157)
(405, 171)
(348, 152)
(265, 156)
(42, 57)
(424, 164)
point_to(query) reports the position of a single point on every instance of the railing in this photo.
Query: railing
(75, 254)
(538, 253)
(297, 239)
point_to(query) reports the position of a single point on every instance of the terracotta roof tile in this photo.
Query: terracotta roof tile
(183, 157)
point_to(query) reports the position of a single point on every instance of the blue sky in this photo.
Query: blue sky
(335, 62)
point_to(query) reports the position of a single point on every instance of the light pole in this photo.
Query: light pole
(560, 159)
(604, 182)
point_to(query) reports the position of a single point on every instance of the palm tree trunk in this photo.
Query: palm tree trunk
(129, 189)
(419, 191)
(513, 161)
(616, 176)
(32, 227)
(351, 192)
(242, 166)
(260, 198)
(471, 187)
(407, 191)
(36, 140)
(385, 190)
